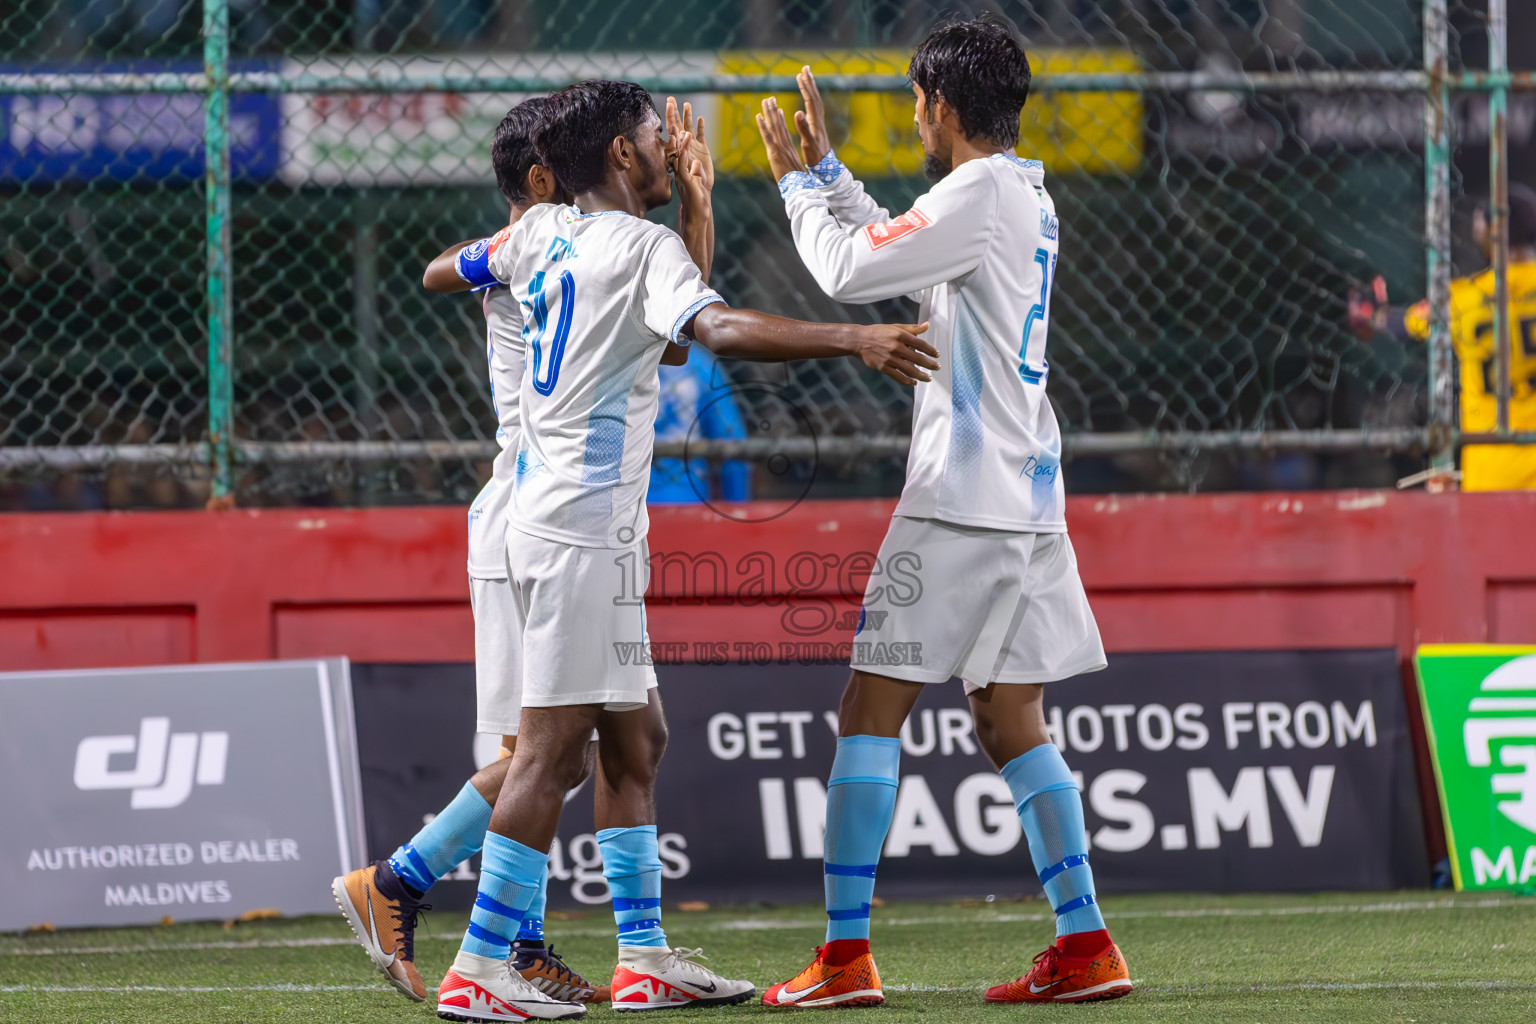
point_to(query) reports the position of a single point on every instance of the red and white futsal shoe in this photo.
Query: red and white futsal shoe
(1058, 978)
(479, 988)
(821, 985)
(658, 978)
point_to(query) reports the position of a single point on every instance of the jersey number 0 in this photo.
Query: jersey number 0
(546, 369)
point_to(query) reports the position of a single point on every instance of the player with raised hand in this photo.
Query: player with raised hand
(602, 292)
(1001, 605)
(1484, 467)
(382, 901)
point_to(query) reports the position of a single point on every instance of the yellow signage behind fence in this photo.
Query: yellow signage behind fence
(1083, 132)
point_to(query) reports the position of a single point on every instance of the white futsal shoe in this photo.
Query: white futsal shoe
(479, 988)
(658, 978)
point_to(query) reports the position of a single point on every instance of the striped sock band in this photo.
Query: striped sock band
(453, 836)
(632, 866)
(861, 798)
(1051, 811)
(510, 878)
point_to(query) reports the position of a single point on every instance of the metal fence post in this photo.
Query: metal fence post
(1437, 237)
(216, 185)
(1498, 198)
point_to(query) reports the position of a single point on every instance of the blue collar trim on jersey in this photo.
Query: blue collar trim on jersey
(599, 213)
(1029, 165)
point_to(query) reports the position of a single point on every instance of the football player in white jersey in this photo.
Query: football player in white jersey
(1000, 603)
(603, 292)
(382, 901)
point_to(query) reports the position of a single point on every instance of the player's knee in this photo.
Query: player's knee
(588, 760)
(987, 733)
(656, 744)
(560, 770)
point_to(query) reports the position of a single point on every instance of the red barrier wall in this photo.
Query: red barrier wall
(1189, 573)
(1328, 569)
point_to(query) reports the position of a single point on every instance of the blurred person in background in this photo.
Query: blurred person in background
(1484, 467)
(694, 400)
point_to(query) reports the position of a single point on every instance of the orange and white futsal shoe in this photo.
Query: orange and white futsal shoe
(1058, 978)
(478, 989)
(856, 983)
(383, 917)
(658, 978)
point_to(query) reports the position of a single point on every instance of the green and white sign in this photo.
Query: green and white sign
(1480, 711)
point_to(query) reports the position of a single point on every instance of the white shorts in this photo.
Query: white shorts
(498, 657)
(989, 606)
(582, 622)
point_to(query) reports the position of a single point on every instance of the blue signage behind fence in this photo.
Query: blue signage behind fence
(53, 137)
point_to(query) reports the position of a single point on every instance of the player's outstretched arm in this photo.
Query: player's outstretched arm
(893, 349)
(844, 194)
(942, 237)
(441, 276)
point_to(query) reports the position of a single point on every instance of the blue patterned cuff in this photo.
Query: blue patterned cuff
(688, 314)
(796, 181)
(828, 169)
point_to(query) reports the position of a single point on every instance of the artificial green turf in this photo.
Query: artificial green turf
(1410, 957)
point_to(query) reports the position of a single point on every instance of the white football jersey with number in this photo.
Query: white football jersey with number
(504, 357)
(979, 253)
(599, 297)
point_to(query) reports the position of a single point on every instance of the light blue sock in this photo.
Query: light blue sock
(861, 797)
(1051, 810)
(511, 876)
(453, 836)
(533, 921)
(632, 866)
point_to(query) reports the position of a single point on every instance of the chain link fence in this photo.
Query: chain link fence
(215, 217)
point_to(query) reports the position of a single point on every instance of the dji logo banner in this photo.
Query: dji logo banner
(168, 764)
(105, 818)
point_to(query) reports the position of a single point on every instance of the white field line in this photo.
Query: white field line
(1141, 986)
(1394, 907)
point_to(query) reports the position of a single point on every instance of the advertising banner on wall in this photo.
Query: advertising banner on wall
(137, 137)
(438, 137)
(1480, 710)
(192, 792)
(1237, 771)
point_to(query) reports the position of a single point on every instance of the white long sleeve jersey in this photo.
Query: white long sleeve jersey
(979, 253)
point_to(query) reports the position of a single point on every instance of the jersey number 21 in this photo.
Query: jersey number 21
(1033, 370)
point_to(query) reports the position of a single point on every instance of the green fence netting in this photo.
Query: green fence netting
(1227, 172)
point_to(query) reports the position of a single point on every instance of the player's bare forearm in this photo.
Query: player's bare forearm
(695, 218)
(696, 223)
(441, 275)
(893, 349)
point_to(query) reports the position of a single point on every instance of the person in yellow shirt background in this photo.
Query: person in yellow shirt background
(1484, 467)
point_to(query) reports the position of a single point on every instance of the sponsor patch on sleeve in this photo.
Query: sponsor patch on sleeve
(890, 231)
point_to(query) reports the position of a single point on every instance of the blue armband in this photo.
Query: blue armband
(473, 264)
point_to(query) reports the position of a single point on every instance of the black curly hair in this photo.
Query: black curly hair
(979, 68)
(512, 149)
(578, 124)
